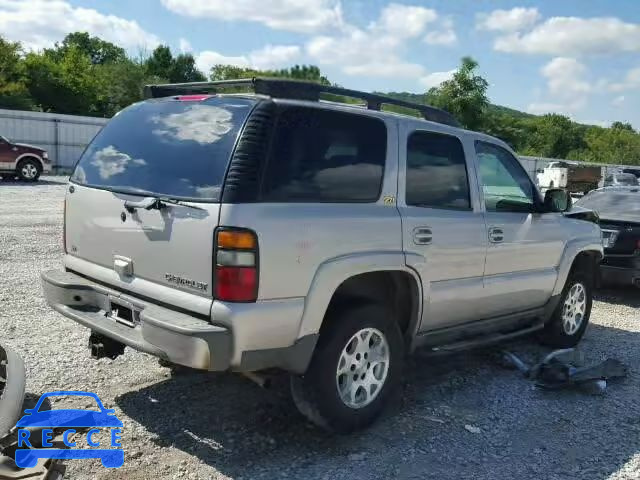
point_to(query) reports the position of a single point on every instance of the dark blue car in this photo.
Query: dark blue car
(65, 419)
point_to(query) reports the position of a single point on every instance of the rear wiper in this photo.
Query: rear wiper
(156, 203)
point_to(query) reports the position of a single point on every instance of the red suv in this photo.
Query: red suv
(23, 161)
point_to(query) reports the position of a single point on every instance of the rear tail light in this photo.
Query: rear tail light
(235, 269)
(64, 226)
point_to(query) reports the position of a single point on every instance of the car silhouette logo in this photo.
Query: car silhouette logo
(67, 420)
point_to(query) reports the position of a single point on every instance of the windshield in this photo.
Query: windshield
(177, 149)
(612, 204)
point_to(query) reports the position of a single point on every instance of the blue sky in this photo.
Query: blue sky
(577, 57)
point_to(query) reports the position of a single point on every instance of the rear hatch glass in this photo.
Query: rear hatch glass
(167, 149)
(172, 148)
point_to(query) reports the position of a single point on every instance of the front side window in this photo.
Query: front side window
(436, 172)
(325, 156)
(505, 184)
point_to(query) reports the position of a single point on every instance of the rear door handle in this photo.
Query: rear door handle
(496, 235)
(422, 235)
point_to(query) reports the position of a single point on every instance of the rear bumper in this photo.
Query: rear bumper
(619, 276)
(620, 270)
(243, 337)
(165, 333)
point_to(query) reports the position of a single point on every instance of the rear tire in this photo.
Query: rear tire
(29, 170)
(569, 321)
(356, 366)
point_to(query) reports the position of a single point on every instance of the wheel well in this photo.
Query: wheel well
(395, 289)
(30, 157)
(587, 262)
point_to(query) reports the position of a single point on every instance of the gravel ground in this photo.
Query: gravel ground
(456, 417)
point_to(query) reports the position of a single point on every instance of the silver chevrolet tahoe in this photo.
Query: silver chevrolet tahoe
(276, 229)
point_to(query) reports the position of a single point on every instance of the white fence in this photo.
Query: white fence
(63, 136)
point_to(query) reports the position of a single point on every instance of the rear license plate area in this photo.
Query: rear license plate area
(124, 313)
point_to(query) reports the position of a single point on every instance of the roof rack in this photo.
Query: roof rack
(298, 90)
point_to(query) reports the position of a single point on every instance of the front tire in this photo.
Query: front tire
(29, 170)
(569, 321)
(356, 366)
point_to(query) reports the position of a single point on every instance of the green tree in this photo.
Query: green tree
(99, 51)
(309, 73)
(163, 65)
(231, 72)
(553, 136)
(507, 128)
(464, 96)
(13, 88)
(160, 63)
(66, 86)
(184, 70)
(121, 84)
(622, 126)
(613, 145)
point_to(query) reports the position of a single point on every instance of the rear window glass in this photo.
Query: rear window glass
(325, 156)
(178, 149)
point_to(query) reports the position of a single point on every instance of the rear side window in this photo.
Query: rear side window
(178, 149)
(325, 156)
(436, 172)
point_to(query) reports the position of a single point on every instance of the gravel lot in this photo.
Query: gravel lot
(456, 417)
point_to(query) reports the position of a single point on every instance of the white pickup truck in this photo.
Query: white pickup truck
(575, 178)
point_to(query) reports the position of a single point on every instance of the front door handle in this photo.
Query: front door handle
(422, 235)
(496, 235)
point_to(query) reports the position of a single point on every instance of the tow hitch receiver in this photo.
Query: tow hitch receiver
(102, 346)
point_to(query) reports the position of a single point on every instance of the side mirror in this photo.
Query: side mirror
(557, 200)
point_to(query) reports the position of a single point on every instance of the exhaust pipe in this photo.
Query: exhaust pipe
(102, 346)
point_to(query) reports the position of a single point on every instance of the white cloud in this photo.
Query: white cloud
(567, 88)
(185, 46)
(630, 82)
(445, 36)
(436, 78)
(574, 36)
(618, 101)
(203, 124)
(361, 52)
(274, 56)
(40, 23)
(404, 21)
(303, 16)
(565, 77)
(513, 20)
(208, 58)
(376, 50)
(268, 57)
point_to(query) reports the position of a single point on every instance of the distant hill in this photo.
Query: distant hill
(494, 109)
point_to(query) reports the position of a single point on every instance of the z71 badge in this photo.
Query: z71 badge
(186, 282)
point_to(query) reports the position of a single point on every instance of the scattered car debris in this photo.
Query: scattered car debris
(563, 369)
(12, 383)
(472, 429)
